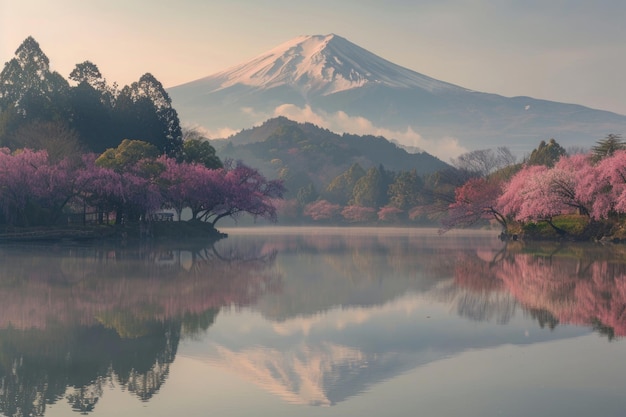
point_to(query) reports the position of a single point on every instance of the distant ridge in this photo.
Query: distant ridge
(304, 153)
(336, 84)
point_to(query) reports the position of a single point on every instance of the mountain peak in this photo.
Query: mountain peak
(340, 86)
(321, 65)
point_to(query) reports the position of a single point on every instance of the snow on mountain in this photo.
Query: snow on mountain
(328, 81)
(324, 65)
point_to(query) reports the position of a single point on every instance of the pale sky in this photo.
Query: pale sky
(571, 51)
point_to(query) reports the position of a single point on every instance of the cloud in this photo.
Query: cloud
(444, 148)
(222, 132)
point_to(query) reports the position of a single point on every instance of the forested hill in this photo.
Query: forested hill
(303, 153)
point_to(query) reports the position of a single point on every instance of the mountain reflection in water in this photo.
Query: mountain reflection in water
(327, 314)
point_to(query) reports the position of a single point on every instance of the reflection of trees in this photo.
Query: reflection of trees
(577, 284)
(346, 267)
(352, 268)
(122, 289)
(37, 365)
(77, 319)
(476, 292)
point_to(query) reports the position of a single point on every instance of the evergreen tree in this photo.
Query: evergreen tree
(371, 189)
(407, 190)
(92, 107)
(307, 195)
(340, 189)
(24, 75)
(29, 91)
(144, 111)
(607, 146)
(546, 154)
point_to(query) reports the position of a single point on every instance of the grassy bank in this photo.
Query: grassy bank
(569, 227)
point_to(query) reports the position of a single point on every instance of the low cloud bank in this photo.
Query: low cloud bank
(443, 148)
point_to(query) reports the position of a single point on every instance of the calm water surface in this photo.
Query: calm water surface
(315, 322)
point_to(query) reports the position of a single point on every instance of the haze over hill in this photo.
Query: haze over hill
(302, 153)
(335, 84)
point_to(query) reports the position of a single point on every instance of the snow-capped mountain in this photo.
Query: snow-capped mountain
(322, 65)
(331, 82)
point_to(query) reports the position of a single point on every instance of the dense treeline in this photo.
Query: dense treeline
(378, 195)
(40, 109)
(82, 144)
(348, 179)
(580, 194)
(91, 147)
(130, 182)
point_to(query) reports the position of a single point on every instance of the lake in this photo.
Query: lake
(315, 322)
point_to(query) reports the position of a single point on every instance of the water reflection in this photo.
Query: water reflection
(315, 318)
(75, 319)
(572, 283)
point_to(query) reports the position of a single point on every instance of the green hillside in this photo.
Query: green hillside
(303, 153)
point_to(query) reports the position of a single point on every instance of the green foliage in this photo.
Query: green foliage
(341, 188)
(88, 73)
(29, 89)
(143, 111)
(573, 225)
(371, 189)
(25, 75)
(127, 154)
(307, 194)
(318, 153)
(406, 191)
(98, 113)
(607, 146)
(546, 153)
(200, 151)
(92, 113)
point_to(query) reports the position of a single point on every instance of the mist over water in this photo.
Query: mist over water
(285, 320)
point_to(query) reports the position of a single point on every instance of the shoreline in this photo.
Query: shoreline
(144, 231)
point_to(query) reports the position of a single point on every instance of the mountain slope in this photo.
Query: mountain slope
(341, 86)
(302, 153)
(321, 65)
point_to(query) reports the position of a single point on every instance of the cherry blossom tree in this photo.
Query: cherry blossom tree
(322, 210)
(100, 187)
(607, 186)
(536, 194)
(475, 200)
(141, 193)
(33, 190)
(173, 182)
(358, 214)
(203, 190)
(525, 196)
(563, 182)
(237, 189)
(288, 210)
(19, 182)
(389, 214)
